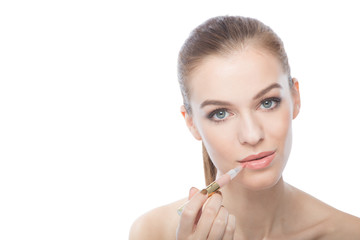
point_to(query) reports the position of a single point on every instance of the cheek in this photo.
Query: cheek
(279, 126)
(219, 140)
(279, 132)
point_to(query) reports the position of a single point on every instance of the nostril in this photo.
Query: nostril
(252, 139)
(250, 130)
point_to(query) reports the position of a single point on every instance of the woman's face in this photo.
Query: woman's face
(242, 105)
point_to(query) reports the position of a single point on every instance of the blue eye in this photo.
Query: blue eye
(218, 115)
(221, 114)
(270, 103)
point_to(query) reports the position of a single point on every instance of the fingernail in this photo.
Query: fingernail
(204, 192)
(218, 192)
(181, 208)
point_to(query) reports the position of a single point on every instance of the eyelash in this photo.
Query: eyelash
(211, 115)
(273, 99)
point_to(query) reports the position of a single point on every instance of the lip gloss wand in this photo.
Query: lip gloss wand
(218, 183)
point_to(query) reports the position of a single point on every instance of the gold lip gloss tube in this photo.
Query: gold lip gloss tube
(218, 183)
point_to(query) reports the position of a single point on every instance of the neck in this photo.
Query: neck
(259, 214)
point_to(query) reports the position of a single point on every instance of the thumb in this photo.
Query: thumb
(192, 192)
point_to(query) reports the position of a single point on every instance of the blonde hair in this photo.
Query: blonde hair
(221, 36)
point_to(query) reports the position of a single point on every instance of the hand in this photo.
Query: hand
(205, 218)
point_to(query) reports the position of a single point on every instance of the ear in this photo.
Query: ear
(190, 123)
(295, 92)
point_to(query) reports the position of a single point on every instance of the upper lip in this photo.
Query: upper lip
(256, 156)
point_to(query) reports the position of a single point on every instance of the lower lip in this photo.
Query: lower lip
(261, 163)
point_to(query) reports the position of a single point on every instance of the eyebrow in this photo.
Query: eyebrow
(214, 102)
(225, 103)
(264, 91)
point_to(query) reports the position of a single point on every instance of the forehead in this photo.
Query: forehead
(241, 73)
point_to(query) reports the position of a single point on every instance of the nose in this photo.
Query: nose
(250, 130)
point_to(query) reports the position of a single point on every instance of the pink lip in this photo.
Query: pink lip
(258, 161)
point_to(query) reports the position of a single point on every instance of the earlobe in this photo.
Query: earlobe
(190, 123)
(296, 111)
(296, 97)
(182, 110)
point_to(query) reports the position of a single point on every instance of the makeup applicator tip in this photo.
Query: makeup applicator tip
(233, 172)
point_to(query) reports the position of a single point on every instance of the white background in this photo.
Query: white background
(90, 131)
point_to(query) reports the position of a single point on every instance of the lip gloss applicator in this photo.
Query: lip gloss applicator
(215, 185)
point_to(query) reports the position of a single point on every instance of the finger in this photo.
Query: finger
(230, 228)
(219, 225)
(189, 214)
(209, 213)
(192, 192)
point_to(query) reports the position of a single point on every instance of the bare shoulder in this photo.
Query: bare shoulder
(341, 225)
(159, 223)
(326, 222)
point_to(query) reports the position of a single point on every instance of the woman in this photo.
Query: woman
(240, 100)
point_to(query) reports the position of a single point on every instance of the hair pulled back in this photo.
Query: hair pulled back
(222, 36)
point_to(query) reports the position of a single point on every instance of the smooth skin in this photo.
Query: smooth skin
(242, 104)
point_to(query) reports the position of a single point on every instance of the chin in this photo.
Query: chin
(259, 181)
